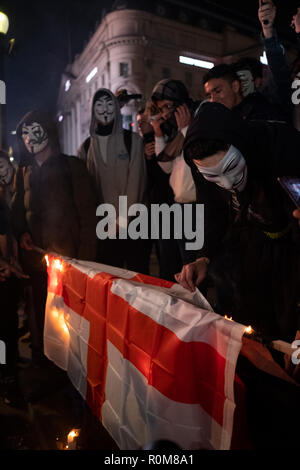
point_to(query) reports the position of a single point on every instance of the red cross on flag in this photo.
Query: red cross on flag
(152, 361)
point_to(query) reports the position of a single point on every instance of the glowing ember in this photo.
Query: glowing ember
(72, 439)
(58, 265)
(228, 318)
(249, 330)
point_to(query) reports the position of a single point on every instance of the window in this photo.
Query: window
(124, 69)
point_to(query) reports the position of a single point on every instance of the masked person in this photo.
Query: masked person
(53, 209)
(115, 160)
(175, 111)
(253, 254)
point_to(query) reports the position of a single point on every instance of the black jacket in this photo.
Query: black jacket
(251, 237)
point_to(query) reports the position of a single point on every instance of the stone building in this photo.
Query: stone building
(134, 48)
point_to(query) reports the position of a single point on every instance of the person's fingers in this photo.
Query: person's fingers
(190, 273)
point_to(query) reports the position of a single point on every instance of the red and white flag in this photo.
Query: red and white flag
(152, 361)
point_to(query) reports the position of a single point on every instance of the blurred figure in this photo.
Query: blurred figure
(10, 273)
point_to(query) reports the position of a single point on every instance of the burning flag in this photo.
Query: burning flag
(152, 361)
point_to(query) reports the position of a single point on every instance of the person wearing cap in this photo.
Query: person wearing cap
(176, 109)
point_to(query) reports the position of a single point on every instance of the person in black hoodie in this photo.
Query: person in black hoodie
(252, 240)
(251, 251)
(53, 209)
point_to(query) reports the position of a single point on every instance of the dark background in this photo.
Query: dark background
(49, 34)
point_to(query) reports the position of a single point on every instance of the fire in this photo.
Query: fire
(249, 330)
(58, 265)
(47, 261)
(228, 318)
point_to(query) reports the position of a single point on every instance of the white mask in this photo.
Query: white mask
(247, 80)
(34, 137)
(6, 172)
(230, 173)
(104, 110)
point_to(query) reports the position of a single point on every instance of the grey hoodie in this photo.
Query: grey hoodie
(117, 174)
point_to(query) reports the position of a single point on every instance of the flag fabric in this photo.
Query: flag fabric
(152, 360)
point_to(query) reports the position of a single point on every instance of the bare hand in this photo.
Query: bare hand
(26, 242)
(150, 150)
(183, 117)
(296, 21)
(156, 123)
(193, 274)
(267, 13)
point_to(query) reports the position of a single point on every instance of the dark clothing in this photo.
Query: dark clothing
(55, 205)
(278, 89)
(254, 249)
(256, 107)
(9, 297)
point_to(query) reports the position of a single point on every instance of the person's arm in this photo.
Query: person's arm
(85, 203)
(281, 90)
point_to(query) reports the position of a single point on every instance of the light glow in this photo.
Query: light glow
(58, 265)
(4, 23)
(203, 64)
(67, 85)
(91, 75)
(249, 330)
(264, 59)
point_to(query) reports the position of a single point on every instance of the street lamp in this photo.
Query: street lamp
(4, 25)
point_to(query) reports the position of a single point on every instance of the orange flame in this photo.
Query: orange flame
(249, 330)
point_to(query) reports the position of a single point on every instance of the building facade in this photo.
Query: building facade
(134, 49)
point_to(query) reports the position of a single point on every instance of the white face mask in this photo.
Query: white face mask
(6, 172)
(230, 173)
(34, 137)
(104, 110)
(247, 80)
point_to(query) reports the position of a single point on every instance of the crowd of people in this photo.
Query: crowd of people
(225, 152)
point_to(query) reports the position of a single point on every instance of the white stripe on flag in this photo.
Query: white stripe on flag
(136, 414)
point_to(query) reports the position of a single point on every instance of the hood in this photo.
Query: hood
(172, 90)
(216, 122)
(117, 126)
(49, 125)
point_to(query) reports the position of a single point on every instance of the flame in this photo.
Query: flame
(228, 318)
(58, 265)
(47, 261)
(249, 330)
(74, 433)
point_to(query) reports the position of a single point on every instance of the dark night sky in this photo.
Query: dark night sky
(41, 31)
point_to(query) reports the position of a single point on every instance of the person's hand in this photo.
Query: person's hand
(296, 214)
(26, 242)
(4, 271)
(156, 123)
(193, 274)
(296, 21)
(267, 13)
(183, 116)
(149, 150)
(293, 369)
